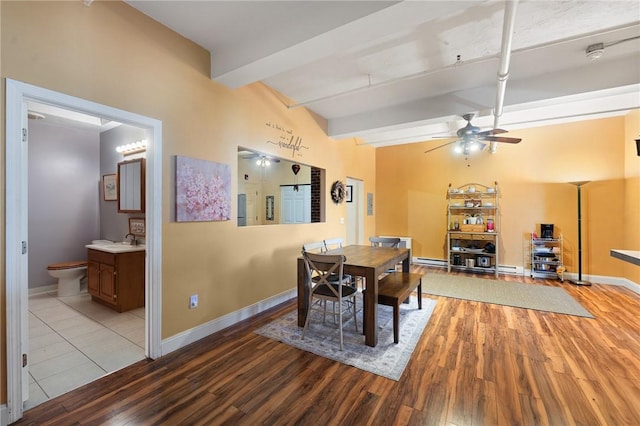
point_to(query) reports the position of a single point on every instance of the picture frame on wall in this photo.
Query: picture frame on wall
(270, 205)
(137, 226)
(110, 187)
(349, 194)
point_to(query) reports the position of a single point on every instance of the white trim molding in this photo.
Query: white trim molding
(187, 337)
(16, 95)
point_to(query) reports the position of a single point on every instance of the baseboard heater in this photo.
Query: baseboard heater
(430, 262)
(441, 263)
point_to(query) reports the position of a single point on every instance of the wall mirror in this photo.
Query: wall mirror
(274, 190)
(131, 186)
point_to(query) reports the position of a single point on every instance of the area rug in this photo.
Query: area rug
(387, 359)
(519, 295)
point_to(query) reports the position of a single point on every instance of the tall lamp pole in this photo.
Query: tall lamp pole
(580, 281)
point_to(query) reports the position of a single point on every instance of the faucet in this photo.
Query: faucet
(134, 241)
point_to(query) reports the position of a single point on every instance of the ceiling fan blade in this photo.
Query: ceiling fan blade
(441, 146)
(491, 132)
(500, 139)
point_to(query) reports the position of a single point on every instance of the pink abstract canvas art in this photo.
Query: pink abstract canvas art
(203, 190)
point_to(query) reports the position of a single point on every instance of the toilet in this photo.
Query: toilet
(69, 275)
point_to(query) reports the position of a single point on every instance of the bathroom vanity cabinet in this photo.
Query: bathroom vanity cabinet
(116, 280)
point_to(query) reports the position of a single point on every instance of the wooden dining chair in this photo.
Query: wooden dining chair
(320, 268)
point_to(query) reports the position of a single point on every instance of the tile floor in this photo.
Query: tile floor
(74, 341)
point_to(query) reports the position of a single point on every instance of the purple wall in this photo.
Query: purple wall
(66, 207)
(64, 178)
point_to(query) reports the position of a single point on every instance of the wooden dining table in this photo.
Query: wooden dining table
(362, 261)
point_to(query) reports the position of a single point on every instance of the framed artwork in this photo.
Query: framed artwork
(270, 206)
(349, 194)
(203, 190)
(110, 187)
(369, 204)
(137, 226)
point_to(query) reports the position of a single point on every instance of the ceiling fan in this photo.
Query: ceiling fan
(470, 137)
(261, 159)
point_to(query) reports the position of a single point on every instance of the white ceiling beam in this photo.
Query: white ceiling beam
(394, 19)
(622, 73)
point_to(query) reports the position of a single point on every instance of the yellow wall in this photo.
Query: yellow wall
(631, 223)
(533, 178)
(111, 54)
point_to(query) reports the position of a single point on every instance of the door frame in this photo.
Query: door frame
(16, 202)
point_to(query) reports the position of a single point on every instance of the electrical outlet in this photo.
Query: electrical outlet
(193, 301)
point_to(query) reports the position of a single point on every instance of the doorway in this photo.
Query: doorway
(17, 243)
(355, 211)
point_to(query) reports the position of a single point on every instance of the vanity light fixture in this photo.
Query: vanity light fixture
(132, 148)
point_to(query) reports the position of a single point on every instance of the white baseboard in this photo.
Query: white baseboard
(189, 336)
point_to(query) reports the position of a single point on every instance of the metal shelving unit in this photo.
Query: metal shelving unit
(469, 242)
(546, 257)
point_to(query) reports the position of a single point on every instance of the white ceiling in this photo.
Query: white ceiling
(387, 72)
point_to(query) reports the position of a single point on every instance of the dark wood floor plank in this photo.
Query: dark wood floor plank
(475, 364)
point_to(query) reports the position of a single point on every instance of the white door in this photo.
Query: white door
(295, 205)
(252, 211)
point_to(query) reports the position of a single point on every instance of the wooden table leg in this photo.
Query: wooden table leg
(303, 294)
(371, 309)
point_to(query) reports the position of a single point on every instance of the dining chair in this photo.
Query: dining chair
(334, 244)
(320, 268)
(392, 242)
(314, 247)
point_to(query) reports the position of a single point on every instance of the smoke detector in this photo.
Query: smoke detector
(595, 51)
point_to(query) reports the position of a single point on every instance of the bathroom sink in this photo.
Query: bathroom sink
(117, 247)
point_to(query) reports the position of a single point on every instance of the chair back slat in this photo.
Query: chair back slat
(314, 247)
(333, 243)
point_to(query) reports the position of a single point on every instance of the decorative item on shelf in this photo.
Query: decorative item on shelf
(489, 225)
(338, 192)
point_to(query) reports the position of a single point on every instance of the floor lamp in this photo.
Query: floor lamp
(580, 281)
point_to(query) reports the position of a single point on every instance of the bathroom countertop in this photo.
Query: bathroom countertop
(117, 247)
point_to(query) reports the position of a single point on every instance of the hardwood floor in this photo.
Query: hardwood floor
(476, 364)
